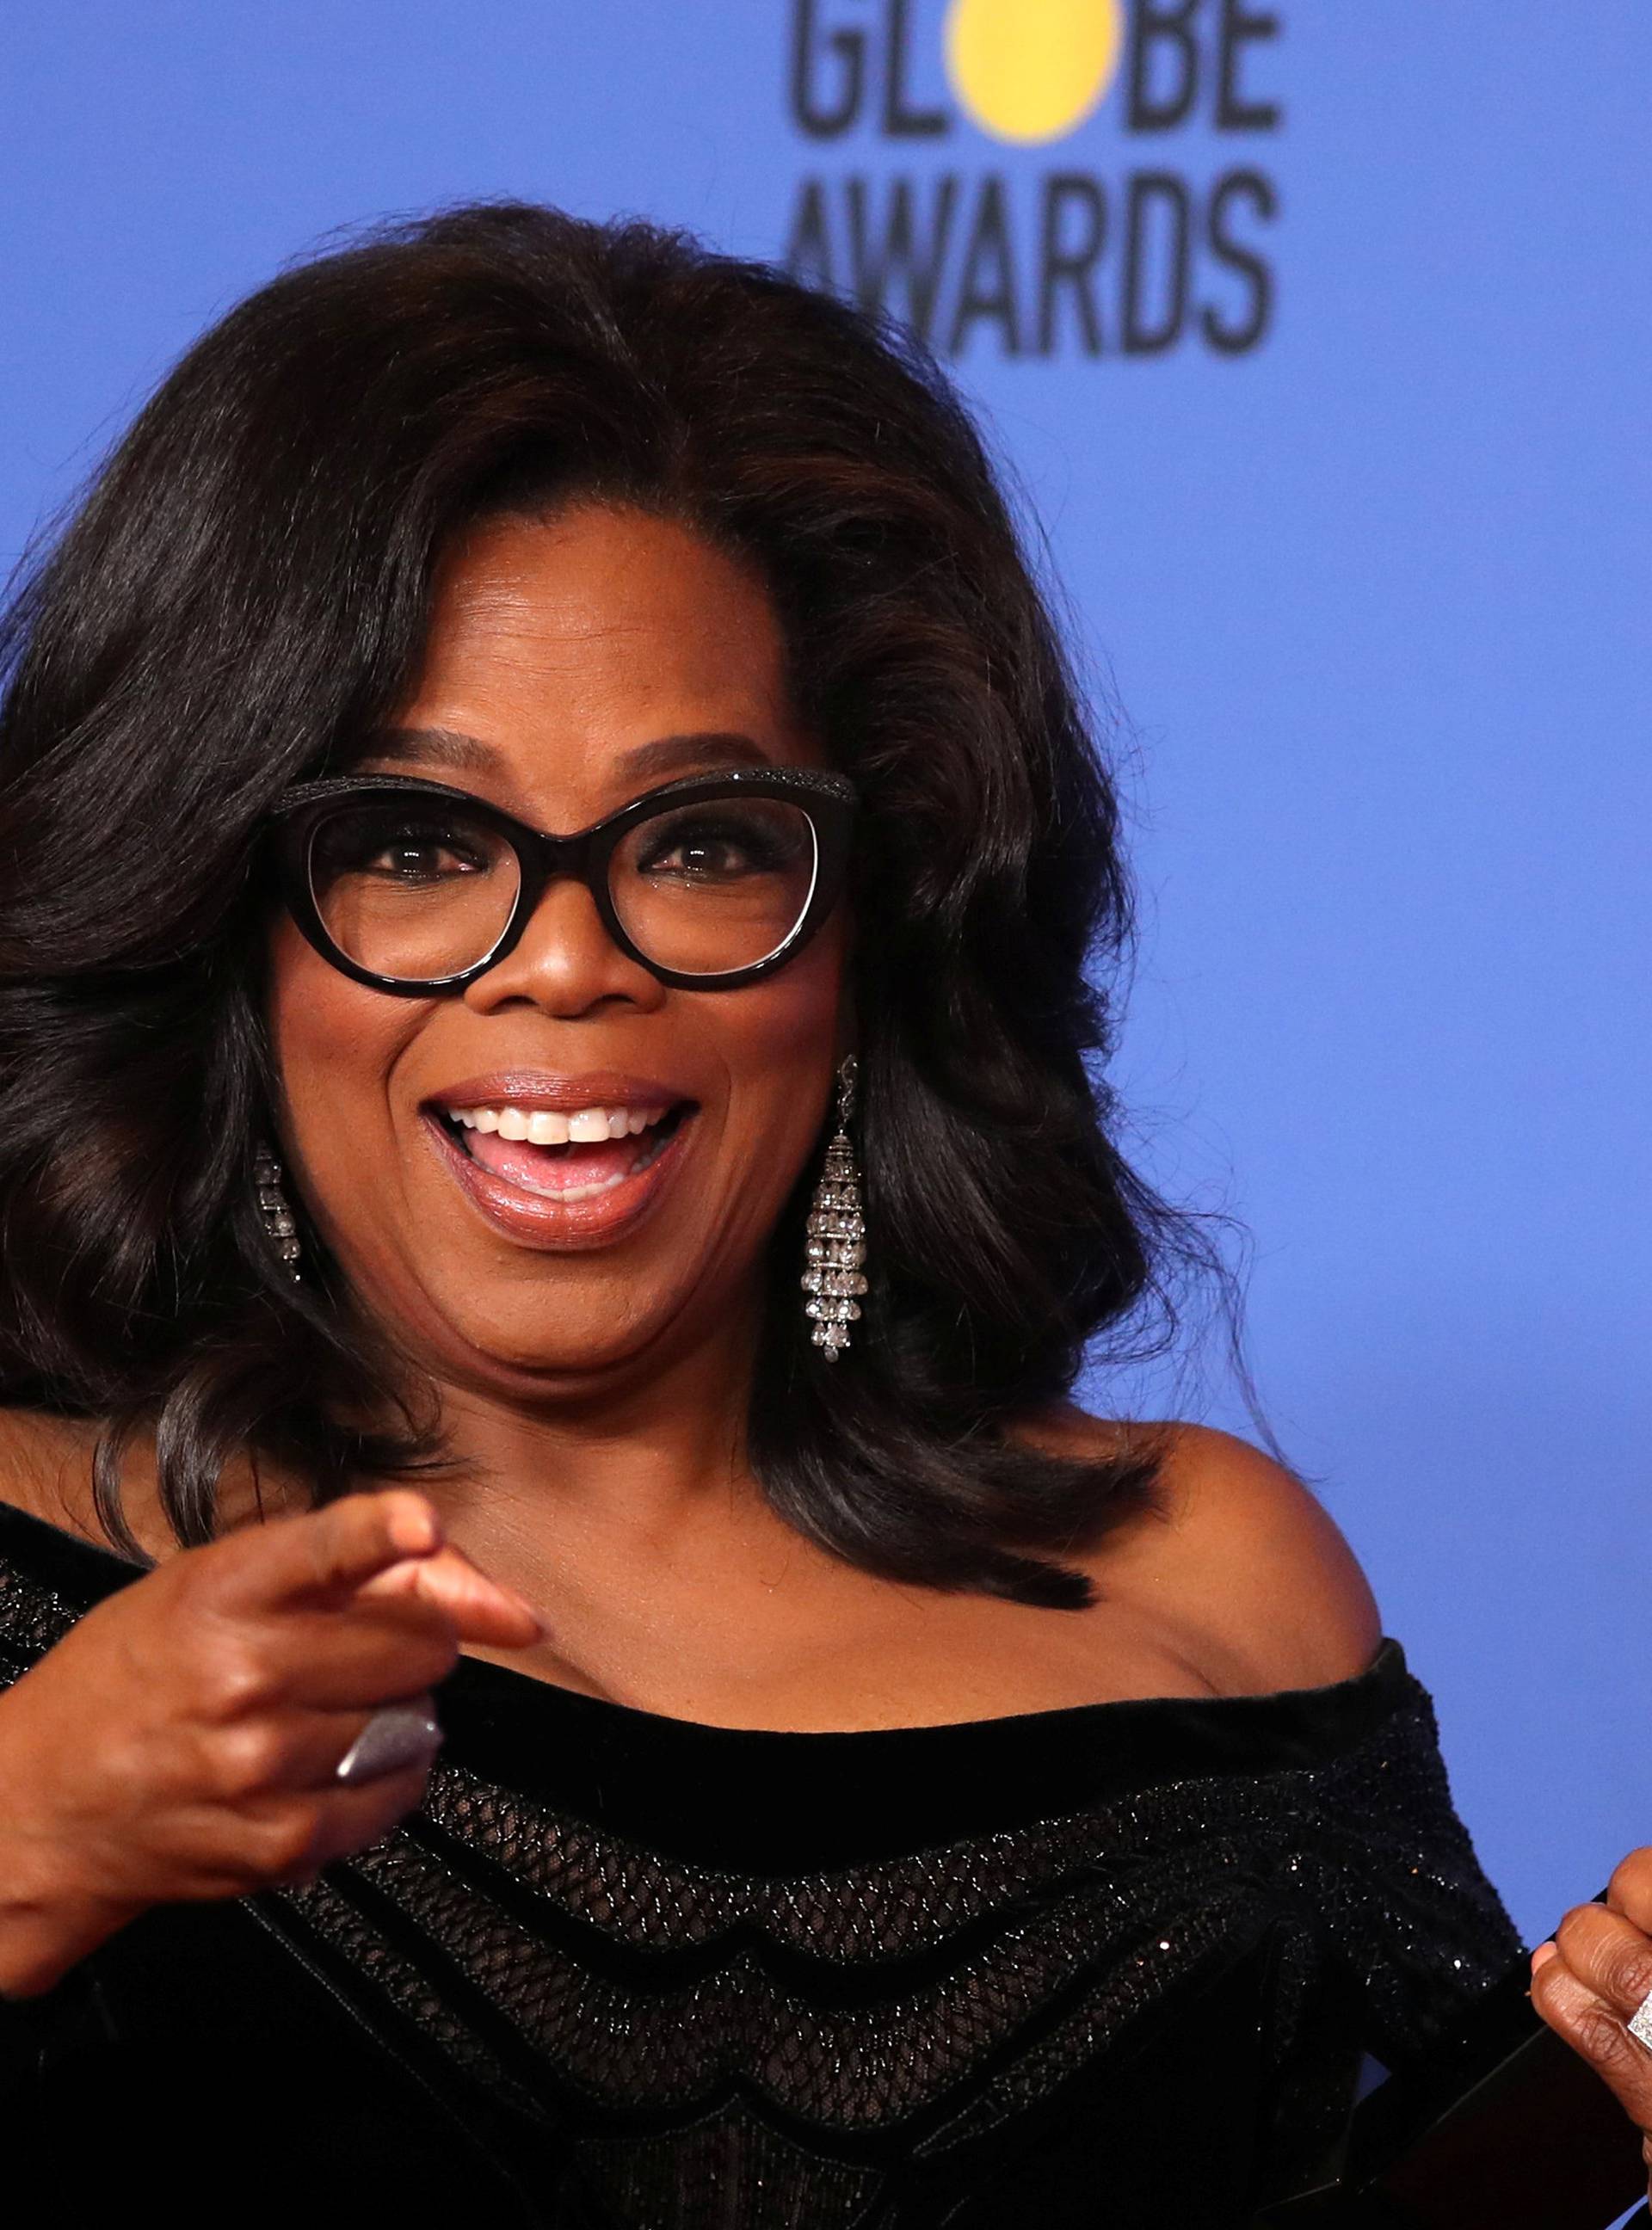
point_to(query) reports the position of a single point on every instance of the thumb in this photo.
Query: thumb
(479, 1608)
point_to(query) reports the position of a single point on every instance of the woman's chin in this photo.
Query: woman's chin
(521, 1362)
(525, 1330)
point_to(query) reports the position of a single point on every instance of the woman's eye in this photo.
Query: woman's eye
(411, 855)
(712, 851)
(700, 856)
(416, 861)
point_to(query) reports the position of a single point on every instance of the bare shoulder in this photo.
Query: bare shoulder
(46, 1469)
(1238, 1558)
(46, 1466)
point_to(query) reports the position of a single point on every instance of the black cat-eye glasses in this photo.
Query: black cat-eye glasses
(709, 882)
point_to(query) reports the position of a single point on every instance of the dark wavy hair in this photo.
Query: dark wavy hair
(242, 597)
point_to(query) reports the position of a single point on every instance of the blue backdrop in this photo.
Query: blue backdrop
(1317, 335)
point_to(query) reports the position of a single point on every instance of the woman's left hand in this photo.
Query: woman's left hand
(1595, 1973)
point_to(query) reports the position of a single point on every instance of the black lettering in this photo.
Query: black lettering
(988, 287)
(901, 119)
(1241, 186)
(1163, 26)
(849, 49)
(1240, 27)
(876, 262)
(1070, 265)
(1155, 265)
(808, 250)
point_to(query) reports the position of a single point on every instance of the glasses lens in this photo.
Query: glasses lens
(410, 889)
(703, 889)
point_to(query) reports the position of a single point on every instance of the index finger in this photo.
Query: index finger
(326, 1552)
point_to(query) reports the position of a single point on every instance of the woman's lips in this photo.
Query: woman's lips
(573, 1195)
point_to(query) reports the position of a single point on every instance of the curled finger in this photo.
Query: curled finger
(1609, 1955)
(323, 1555)
(380, 1651)
(299, 1836)
(308, 1750)
(1597, 2030)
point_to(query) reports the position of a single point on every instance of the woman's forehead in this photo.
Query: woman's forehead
(593, 648)
(598, 594)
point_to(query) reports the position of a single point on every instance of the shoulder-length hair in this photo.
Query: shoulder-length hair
(242, 597)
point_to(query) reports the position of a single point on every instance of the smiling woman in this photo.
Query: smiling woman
(536, 726)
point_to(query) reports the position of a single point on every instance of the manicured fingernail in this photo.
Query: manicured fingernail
(1543, 1954)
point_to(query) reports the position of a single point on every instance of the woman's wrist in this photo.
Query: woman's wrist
(45, 1928)
(49, 1916)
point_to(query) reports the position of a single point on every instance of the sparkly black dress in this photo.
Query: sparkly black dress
(1112, 1965)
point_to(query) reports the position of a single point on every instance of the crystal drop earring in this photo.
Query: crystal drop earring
(836, 1247)
(277, 1215)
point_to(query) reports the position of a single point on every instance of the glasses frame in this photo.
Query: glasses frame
(543, 858)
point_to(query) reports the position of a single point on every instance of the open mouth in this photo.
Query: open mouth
(568, 1157)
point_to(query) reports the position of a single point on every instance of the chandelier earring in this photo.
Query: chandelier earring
(836, 1247)
(276, 1215)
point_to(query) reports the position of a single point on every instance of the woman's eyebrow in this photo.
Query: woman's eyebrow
(437, 747)
(450, 748)
(681, 754)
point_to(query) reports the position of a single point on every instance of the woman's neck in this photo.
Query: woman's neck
(631, 1471)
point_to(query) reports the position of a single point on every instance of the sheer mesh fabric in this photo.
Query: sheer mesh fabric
(935, 1994)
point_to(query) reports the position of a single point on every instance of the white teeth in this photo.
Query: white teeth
(545, 1126)
(644, 1159)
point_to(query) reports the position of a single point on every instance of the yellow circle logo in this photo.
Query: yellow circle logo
(1028, 70)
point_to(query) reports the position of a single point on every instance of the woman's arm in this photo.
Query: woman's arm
(182, 1741)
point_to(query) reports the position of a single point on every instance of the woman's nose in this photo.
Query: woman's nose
(564, 961)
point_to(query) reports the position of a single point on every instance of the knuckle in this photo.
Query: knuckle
(1603, 2040)
(1608, 1953)
(1627, 1973)
(322, 1540)
(246, 1759)
(1630, 1885)
(238, 1681)
(196, 1578)
(286, 1840)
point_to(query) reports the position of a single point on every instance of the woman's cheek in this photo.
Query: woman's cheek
(335, 1046)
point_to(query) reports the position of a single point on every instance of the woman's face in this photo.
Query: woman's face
(573, 662)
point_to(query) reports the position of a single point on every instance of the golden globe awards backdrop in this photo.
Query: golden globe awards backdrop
(1316, 334)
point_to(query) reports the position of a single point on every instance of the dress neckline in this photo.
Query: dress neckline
(510, 1687)
(773, 1801)
(508, 1681)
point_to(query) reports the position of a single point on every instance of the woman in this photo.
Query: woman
(604, 1301)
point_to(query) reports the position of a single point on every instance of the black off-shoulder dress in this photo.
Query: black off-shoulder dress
(1118, 1964)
